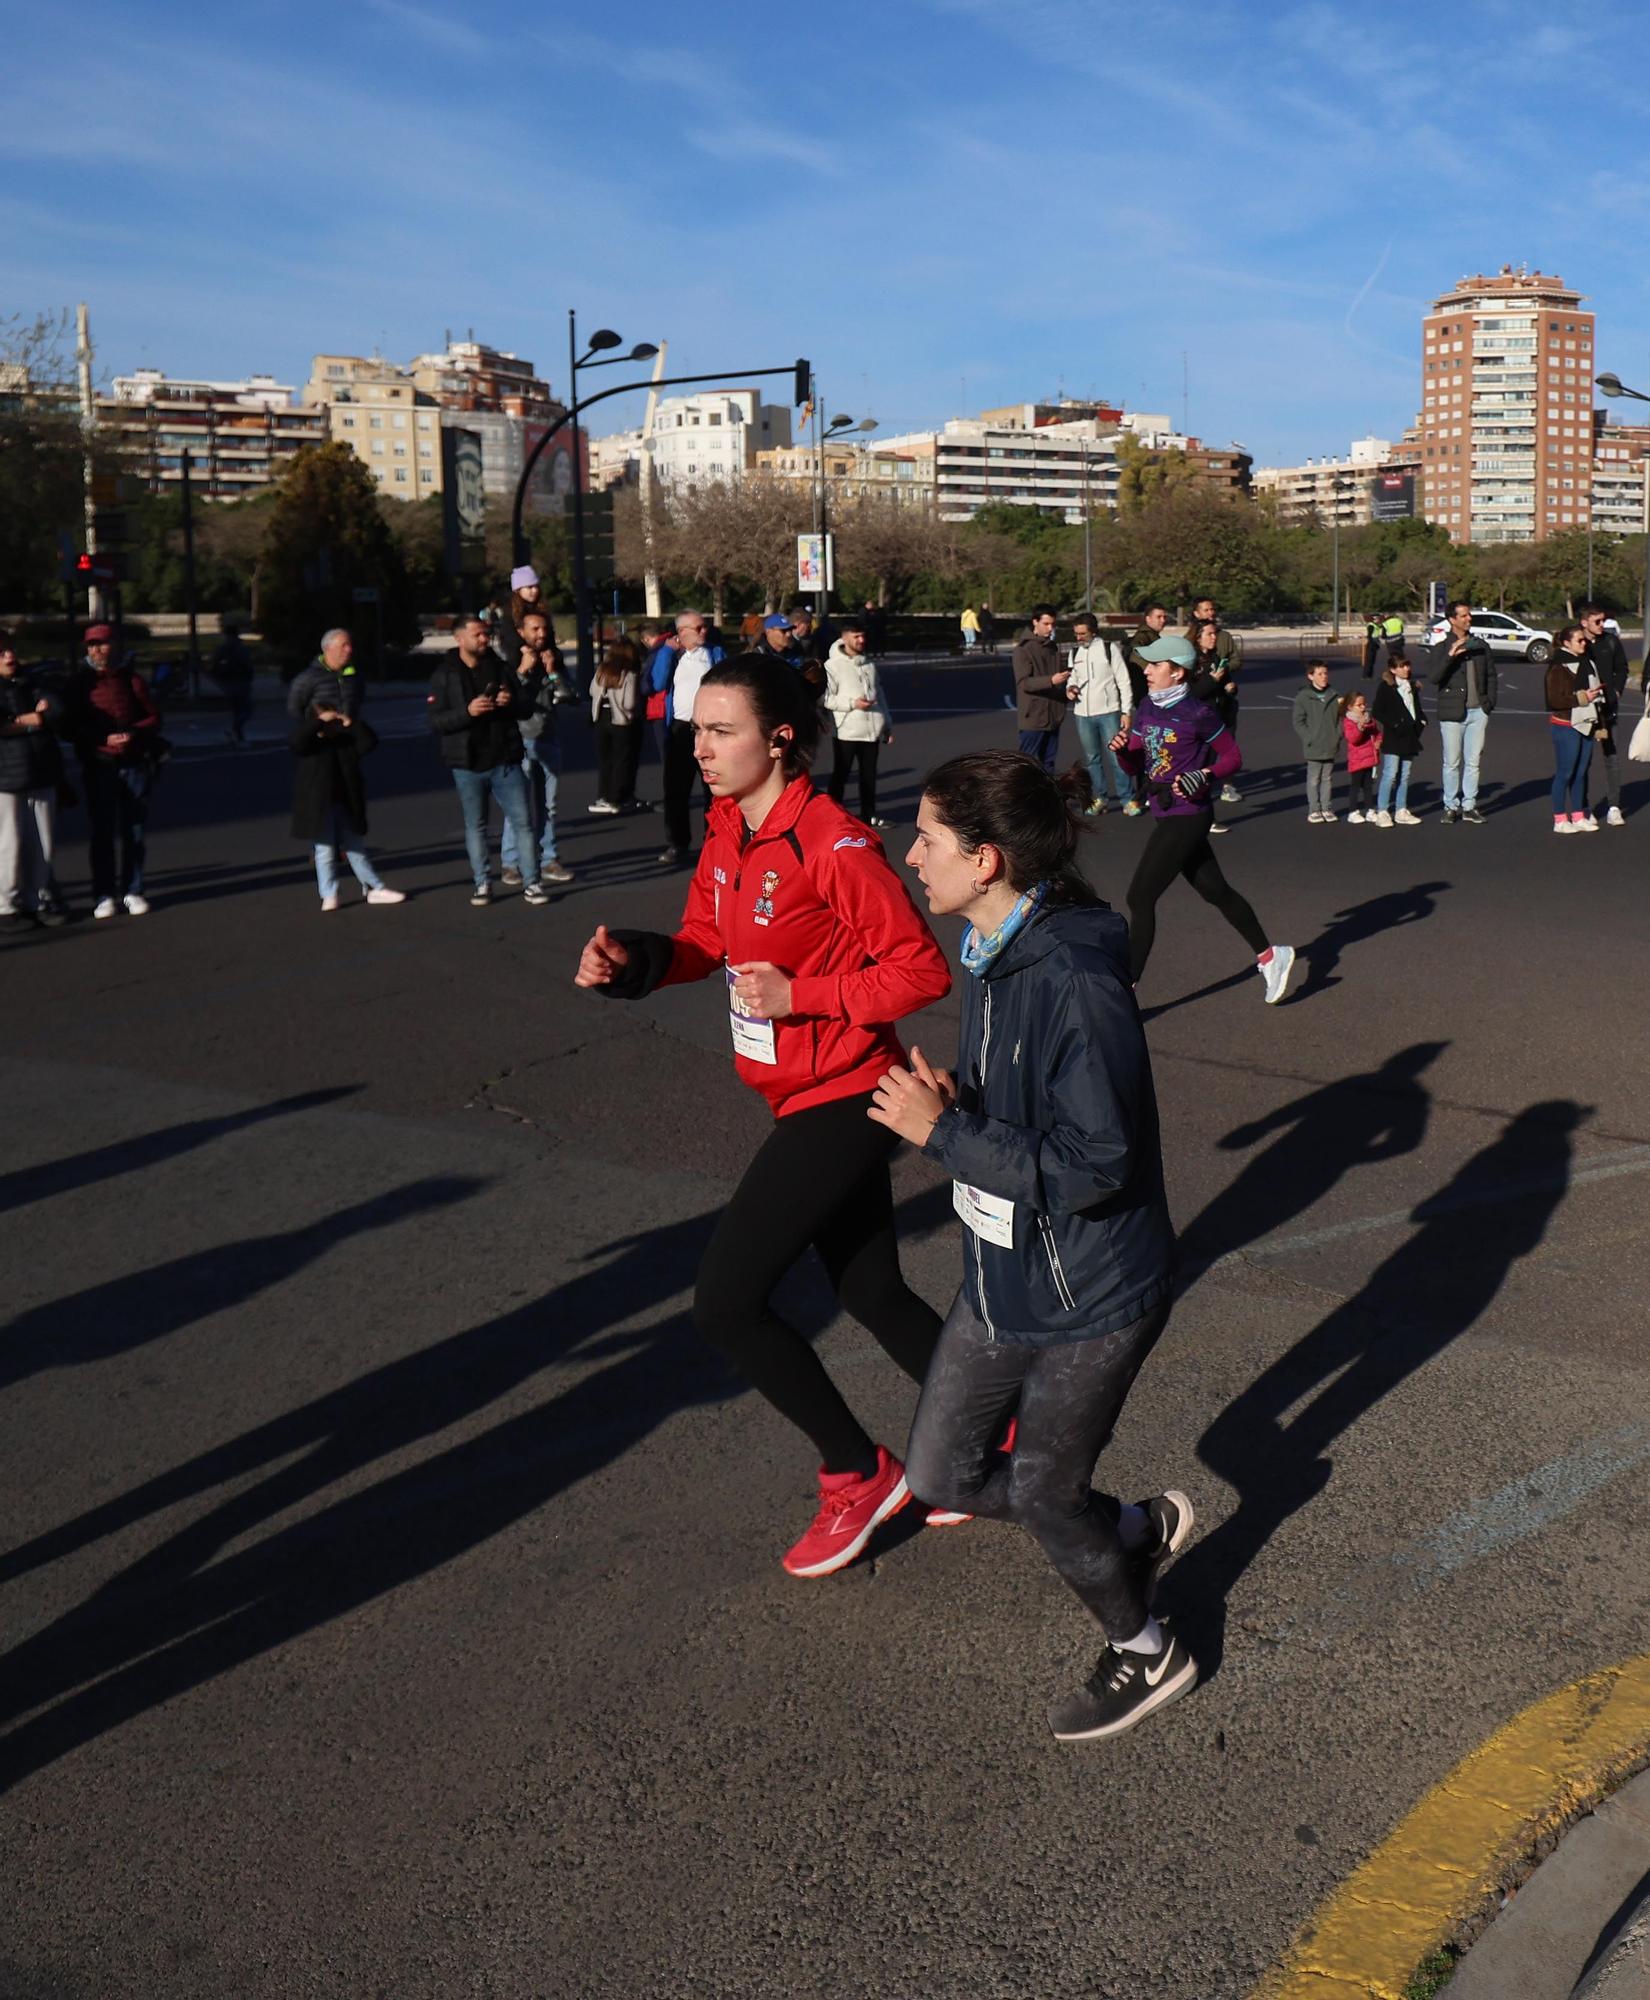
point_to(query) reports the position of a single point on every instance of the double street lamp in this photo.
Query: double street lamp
(602, 341)
(1337, 486)
(838, 427)
(1612, 385)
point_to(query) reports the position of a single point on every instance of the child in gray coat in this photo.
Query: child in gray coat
(1317, 721)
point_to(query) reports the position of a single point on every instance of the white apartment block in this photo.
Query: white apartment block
(1060, 468)
(710, 439)
(1333, 489)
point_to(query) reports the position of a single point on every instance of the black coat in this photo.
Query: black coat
(1400, 733)
(476, 742)
(328, 774)
(30, 761)
(1449, 677)
(1056, 1114)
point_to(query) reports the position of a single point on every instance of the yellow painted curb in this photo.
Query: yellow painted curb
(1444, 1861)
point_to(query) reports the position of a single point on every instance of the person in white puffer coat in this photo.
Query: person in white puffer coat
(859, 714)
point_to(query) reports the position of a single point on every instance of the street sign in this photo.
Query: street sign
(816, 562)
(364, 593)
(1437, 601)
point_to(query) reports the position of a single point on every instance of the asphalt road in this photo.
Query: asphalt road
(390, 1592)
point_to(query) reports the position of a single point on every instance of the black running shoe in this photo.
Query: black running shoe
(1472, 816)
(1124, 1689)
(1171, 1515)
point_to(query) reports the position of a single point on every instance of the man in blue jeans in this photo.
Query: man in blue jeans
(472, 701)
(1462, 672)
(1040, 688)
(539, 685)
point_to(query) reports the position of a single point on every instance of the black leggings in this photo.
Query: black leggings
(820, 1177)
(1067, 1399)
(1179, 845)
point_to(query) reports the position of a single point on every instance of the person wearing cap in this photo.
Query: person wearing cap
(330, 677)
(526, 594)
(1040, 688)
(1180, 747)
(31, 769)
(116, 729)
(776, 639)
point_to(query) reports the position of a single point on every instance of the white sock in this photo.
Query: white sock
(1134, 1526)
(1149, 1639)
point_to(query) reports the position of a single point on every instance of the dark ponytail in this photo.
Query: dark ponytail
(1006, 800)
(779, 699)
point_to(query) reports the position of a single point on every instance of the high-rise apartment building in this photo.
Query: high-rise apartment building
(1506, 422)
(238, 434)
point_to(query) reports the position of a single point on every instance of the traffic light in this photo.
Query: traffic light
(600, 556)
(804, 383)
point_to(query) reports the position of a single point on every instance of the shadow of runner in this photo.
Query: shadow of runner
(128, 1312)
(185, 1613)
(1325, 1135)
(1432, 1288)
(130, 1156)
(1374, 918)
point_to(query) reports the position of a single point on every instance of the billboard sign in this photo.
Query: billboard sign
(463, 501)
(815, 562)
(1392, 497)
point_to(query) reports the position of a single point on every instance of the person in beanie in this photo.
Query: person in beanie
(116, 728)
(31, 768)
(473, 701)
(526, 594)
(329, 801)
(330, 677)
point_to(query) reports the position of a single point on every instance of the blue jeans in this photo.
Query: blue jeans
(347, 835)
(1463, 745)
(540, 770)
(1095, 732)
(1393, 768)
(1043, 744)
(1572, 754)
(504, 783)
(117, 800)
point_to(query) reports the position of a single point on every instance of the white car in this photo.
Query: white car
(1502, 634)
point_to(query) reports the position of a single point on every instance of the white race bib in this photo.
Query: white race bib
(752, 1033)
(988, 1215)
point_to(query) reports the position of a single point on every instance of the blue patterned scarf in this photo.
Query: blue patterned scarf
(978, 952)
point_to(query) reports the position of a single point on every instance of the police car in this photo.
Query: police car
(1502, 635)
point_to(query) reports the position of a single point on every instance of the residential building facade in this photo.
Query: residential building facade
(391, 425)
(1506, 421)
(238, 434)
(1336, 490)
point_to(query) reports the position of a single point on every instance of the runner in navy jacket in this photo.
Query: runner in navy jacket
(794, 904)
(1050, 1131)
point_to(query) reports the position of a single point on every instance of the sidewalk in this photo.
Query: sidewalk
(1579, 1929)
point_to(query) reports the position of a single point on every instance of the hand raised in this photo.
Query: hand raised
(601, 958)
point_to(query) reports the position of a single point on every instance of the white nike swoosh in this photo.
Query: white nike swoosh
(1153, 1676)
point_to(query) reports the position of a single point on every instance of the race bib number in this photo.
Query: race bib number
(752, 1034)
(988, 1215)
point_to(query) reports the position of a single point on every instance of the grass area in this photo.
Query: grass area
(1432, 1975)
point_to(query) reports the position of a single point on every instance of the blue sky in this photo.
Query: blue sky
(946, 204)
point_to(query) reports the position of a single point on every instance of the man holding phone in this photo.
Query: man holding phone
(1462, 671)
(472, 704)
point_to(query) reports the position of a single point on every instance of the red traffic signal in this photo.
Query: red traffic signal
(84, 565)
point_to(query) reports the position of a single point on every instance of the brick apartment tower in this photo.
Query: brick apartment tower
(1506, 425)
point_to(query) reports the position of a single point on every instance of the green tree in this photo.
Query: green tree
(327, 539)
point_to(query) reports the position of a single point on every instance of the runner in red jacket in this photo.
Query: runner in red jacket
(795, 905)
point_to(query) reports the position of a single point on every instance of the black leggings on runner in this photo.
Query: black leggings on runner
(820, 1177)
(1179, 845)
(1067, 1398)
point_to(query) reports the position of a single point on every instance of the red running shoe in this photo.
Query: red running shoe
(850, 1508)
(948, 1517)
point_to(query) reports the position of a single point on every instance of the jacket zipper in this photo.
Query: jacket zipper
(979, 1260)
(1056, 1269)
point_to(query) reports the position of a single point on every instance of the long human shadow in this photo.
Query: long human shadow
(132, 1310)
(1391, 910)
(1432, 1288)
(185, 1613)
(149, 1149)
(1320, 1138)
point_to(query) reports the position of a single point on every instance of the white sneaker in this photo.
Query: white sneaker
(136, 906)
(383, 895)
(1327, 817)
(1615, 817)
(1276, 972)
(1313, 818)
(1405, 817)
(1355, 819)
(1561, 824)
(329, 903)
(1383, 819)
(106, 908)
(1587, 825)
(601, 806)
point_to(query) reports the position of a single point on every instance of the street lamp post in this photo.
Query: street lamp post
(1337, 486)
(1612, 385)
(823, 433)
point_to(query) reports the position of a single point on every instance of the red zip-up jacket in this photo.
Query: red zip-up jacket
(812, 892)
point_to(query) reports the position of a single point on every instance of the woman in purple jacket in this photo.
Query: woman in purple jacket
(1183, 748)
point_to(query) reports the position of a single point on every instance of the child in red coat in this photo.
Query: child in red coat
(1363, 753)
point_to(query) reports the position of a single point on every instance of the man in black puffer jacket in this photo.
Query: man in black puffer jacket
(31, 769)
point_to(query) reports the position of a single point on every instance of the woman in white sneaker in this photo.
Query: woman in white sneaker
(1575, 704)
(1401, 720)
